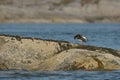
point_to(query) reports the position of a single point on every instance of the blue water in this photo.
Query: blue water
(102, 35)
(59, 75)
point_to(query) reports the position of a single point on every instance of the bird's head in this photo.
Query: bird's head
(80, 37)
(77, 36)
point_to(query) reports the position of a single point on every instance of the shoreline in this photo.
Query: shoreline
(62, 20)
(59, 12)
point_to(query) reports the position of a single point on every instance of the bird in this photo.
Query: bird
(80, 38)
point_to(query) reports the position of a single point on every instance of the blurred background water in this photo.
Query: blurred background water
(103, 35)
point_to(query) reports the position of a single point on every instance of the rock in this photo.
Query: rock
(37, 54)
(75, 59)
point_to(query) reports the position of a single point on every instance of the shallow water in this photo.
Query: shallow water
(103, 35)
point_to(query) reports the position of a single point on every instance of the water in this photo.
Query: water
(59, 75)
(102, 35)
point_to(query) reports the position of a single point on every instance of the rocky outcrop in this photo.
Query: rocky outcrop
(37, 54)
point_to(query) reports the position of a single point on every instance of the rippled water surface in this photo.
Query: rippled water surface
(103, 35)
(59, 75)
